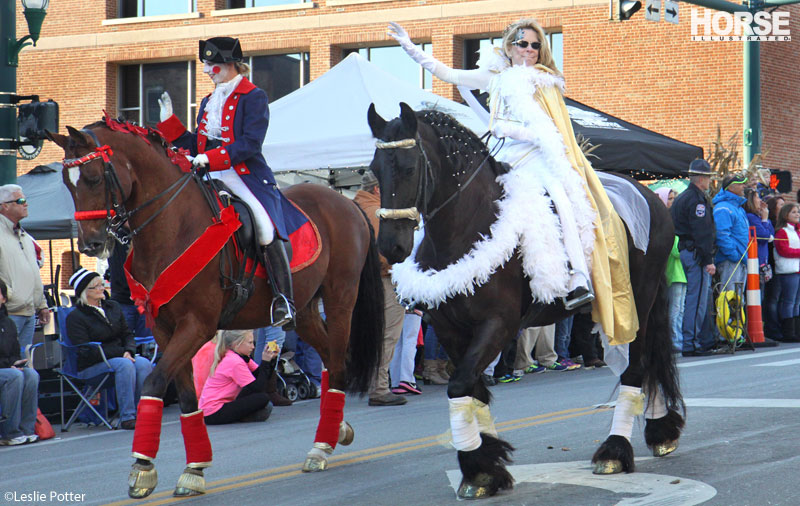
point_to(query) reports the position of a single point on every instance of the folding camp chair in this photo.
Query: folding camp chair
(86, 388)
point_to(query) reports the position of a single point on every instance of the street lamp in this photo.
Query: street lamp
(34, 11)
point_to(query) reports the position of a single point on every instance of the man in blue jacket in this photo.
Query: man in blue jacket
(732, 226)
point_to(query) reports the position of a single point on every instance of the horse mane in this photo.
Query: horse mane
(461, 143)
(151, 136)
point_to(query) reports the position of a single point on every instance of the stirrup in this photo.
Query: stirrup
(288, 318)
(577, 298)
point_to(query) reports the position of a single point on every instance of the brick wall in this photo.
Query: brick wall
(648, 73)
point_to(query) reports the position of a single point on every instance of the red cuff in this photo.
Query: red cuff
(219, 159)
(172, 128)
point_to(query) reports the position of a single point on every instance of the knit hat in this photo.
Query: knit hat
(81, 279)
(735, 178)
(368, 181)
(699, 167)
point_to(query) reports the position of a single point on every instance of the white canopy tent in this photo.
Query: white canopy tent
(323, 125)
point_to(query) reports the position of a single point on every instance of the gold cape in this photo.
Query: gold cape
(613, 307)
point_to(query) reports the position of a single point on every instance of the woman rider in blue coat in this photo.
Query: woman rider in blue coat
(232, 123)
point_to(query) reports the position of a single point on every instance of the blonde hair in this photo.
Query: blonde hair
(227, 340)
(242, 68)
(545, 53)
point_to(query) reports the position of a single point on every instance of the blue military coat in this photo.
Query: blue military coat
(245, 117)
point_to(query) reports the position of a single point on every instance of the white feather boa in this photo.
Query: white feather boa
(538, 158)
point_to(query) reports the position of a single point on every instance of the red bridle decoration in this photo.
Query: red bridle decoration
(94, 215)
(102, 151)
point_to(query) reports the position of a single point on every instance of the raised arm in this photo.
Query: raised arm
(477, 79)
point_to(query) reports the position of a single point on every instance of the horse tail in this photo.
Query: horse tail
(367, 325)
(660, 368)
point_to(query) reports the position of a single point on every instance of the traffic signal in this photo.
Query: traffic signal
(628, 8)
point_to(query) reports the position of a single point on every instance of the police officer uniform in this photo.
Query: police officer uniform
(694, 225)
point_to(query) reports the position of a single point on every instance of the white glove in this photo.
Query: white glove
(200, 160)
(427, 61)
(165, 103)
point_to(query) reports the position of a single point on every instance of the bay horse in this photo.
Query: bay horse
(428, 164)
(118, 168)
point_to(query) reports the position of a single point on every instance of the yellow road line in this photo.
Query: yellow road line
(367, 454)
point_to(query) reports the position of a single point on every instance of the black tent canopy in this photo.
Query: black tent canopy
(629, 148)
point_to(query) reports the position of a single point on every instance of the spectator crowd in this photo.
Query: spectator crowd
(239, 374)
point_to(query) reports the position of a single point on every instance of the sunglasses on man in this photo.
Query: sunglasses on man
(524, 44)
(20, 201)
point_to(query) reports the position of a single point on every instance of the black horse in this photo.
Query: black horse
(428, 164)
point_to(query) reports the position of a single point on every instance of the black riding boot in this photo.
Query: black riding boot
(282, 312)
(787, 329)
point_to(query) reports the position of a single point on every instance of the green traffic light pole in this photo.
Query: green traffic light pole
(752, 71)
(9, 56)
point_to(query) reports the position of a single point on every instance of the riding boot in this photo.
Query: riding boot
(282, 312)
(272, 391)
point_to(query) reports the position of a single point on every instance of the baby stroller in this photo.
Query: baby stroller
(293, 383)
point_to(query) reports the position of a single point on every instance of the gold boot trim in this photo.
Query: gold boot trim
(142, 480)
(663, 449)
(191, 482)
(607, 467)
(477, 489)
(346, 434)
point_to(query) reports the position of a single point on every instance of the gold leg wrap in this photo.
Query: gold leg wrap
(317, 458)
(663, 449)
(476, 489)
(191, 482)
(346, 433)
(607, 467)
(142, 480)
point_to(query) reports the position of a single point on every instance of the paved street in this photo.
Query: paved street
(739, 447)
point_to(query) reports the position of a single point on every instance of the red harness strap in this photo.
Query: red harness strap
(184, 269)
(103, 151)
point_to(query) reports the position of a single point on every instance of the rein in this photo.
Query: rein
(115, 212)
(413, 213)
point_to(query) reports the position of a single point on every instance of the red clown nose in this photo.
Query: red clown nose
(215, 69)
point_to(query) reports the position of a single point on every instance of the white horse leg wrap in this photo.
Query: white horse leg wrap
(484, 418)
(630, 404)
(657, 407)
(464, 426)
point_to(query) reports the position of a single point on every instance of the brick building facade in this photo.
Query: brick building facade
(648, 73)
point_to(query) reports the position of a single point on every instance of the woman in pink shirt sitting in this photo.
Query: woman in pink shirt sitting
(235, 390)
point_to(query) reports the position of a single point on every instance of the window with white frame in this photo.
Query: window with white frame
(141, 8)
(473, 47)
(243, 4)
(394, 60)
(140, 87)
(279, 74)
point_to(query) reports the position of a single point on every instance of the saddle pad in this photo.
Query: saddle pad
(631, 207)
(306, 246)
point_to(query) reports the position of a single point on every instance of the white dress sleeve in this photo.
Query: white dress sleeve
(473, 79)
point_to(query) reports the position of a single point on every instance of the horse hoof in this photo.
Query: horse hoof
(479, 488)
(664, 449)
(607, 467)
(315, 463)
(142, 480)
(191, 482)
(346, 434)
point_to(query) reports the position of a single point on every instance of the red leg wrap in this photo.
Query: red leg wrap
(323, 389)
(147, 434)
(331, 416)
(195, 440)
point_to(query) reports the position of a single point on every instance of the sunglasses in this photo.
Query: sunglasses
(524, 43)
(20, 201)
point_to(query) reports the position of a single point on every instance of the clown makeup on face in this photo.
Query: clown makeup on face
(219, 72)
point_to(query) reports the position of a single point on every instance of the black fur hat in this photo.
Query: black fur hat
(221, 50)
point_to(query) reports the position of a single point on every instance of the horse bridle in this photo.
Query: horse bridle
(115, 212)
(413, 213)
